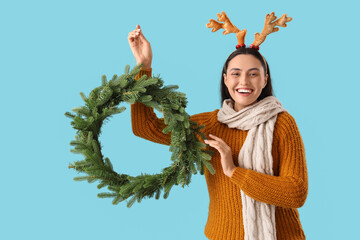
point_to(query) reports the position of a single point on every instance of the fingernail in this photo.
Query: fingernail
(211, 135)
(206, 141)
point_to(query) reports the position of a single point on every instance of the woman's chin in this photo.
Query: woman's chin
(241, 103)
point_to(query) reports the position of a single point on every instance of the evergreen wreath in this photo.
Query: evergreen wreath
(188, 153)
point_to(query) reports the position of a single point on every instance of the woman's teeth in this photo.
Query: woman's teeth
(244, 91)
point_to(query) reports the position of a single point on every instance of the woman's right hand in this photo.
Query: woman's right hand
(140, 48)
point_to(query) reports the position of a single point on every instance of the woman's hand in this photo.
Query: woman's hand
(140, 47)
(225, 153)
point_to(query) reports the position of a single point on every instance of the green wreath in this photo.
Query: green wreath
(188, 153)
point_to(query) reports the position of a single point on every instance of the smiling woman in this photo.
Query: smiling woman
(245, 68)
(244, 78)
(260, 168)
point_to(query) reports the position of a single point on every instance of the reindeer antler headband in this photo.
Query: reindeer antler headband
(259, 38)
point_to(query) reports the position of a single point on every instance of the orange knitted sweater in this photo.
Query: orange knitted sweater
(287, 189)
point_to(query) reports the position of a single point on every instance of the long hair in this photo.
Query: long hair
(267, 90)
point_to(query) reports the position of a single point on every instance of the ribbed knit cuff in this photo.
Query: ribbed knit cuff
(238, 175)
(144, 72)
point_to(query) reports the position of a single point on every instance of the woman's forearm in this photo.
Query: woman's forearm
(145, 123)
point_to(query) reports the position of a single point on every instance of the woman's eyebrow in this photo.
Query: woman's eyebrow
(234, 69)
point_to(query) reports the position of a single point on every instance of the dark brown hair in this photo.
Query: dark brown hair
(267, 90)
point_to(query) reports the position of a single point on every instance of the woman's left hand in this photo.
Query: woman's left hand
(225, 154)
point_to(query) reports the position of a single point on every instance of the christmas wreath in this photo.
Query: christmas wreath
(188, 153)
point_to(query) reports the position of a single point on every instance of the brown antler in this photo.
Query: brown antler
(227, 26)
(270, 27)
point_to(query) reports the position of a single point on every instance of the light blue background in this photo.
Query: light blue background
(52, 50)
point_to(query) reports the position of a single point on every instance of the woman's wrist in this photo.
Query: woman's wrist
(145, 67)
(230, 171)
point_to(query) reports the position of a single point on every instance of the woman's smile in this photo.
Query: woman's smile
(244, 91)
(245, 79)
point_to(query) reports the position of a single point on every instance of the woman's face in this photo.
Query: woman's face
(245, 72)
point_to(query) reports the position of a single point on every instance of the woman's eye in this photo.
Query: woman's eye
(236, 74)
(253, 74)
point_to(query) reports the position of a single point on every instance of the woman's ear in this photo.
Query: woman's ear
(266, 78)
(224, 75)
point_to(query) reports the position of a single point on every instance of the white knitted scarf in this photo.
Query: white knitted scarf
(259, 118)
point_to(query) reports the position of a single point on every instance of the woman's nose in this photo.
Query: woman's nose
(243, 79)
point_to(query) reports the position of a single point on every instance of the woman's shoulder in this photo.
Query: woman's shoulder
(285, 125)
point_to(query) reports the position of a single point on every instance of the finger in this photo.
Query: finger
(212, 143)
(134, 42)
(137, 30)
(216, 138)
(132, 37)
(218, 142)
(133, 34)
(213, 136)
(131, 42)
(216, 145)
(139, 33)
(209, 141)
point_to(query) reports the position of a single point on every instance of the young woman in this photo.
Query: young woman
(261, 175)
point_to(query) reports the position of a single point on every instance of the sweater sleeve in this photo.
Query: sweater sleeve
(290, 188)
(147, 125)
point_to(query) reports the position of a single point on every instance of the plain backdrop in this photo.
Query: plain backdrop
(50, 51)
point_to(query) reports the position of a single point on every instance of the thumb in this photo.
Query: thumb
(142, 36)
(137, 26)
